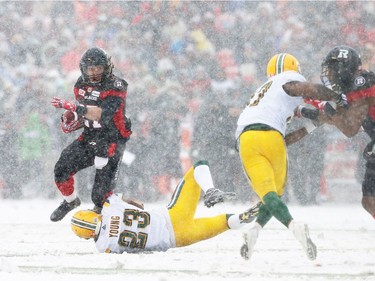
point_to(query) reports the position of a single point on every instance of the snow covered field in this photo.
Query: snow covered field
(33, 248)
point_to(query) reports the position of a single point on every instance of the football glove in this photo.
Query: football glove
(68, 105)
(70, 126)
(302, 111)
(60, 103)
(341, 100)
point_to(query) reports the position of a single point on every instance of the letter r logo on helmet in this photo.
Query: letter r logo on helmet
(282, 62)
(343, 53)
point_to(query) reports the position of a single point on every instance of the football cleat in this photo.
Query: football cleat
(214, 196)
(249, 215)
(250, 237)
(301, 232)
(64, 208)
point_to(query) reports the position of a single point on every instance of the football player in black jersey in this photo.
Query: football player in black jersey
(342, 70)
(100, 98)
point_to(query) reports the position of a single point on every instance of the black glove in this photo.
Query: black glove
(330, 108)
(341, 100)
(302, 111)
(369, 152)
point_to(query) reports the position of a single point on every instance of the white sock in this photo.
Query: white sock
(203, 177)
(234, 222)
(71, 197)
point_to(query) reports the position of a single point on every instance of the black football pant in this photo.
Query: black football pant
(80, 155)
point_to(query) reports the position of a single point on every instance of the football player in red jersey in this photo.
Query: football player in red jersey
(342, 70)
(100, 97)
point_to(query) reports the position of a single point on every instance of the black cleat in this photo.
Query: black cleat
(214, 196)
(64, 208)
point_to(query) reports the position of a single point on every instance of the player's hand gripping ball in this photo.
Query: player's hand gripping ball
(71, 121)
(69, 116)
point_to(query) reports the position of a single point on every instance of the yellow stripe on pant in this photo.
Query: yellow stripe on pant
(187, 229)
(264, 158)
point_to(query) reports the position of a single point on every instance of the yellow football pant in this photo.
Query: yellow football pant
(264, 158)
(187, 229)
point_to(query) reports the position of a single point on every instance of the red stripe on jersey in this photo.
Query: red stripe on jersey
(361, 94)
(112, 93)
(75, 91)
(112, 149)
(119, 121)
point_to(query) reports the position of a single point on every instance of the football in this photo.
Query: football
(71, 121)
(69, 116)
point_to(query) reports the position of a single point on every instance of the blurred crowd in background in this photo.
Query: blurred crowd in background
(191, 68)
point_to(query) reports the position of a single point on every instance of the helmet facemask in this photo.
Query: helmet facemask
(94, 73)
(329, 77)
(339, 68)
(95, 65)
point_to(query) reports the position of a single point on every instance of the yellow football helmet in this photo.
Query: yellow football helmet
(86, 224)
(282, 62)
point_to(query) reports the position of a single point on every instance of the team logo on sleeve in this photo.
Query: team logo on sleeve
(118, 84)
(359, 81)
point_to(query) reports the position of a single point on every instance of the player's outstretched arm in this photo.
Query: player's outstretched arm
(89, 112)
(314, 91)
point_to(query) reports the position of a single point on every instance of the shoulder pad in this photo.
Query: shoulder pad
(364, 80)
(120, 84)
(79, 82)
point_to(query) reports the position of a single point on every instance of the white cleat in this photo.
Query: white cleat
(301, 232)
(250, 237)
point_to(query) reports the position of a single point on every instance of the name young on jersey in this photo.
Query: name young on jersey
(114, 226)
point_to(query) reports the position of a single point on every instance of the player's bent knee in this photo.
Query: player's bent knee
(61, 174)
(272, 201)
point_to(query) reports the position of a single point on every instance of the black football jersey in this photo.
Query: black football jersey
(363, 86)
(110, 96)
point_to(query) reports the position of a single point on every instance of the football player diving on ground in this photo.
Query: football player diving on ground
(127, 227)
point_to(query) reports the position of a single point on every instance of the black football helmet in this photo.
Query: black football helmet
(339, 68)
(94, 57)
